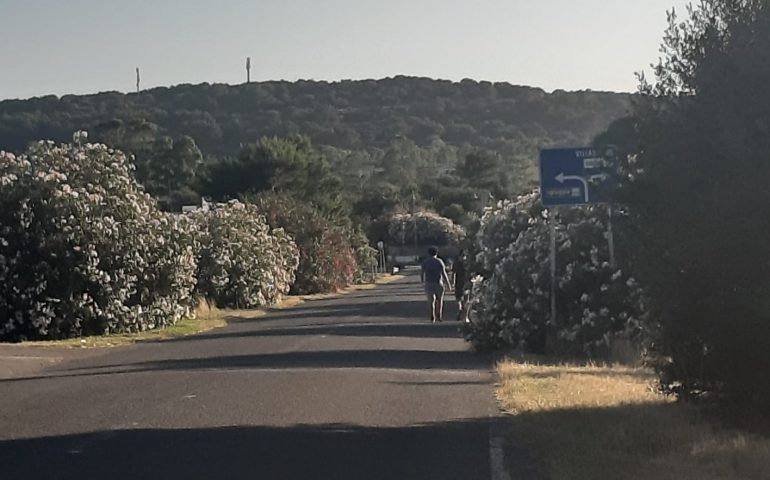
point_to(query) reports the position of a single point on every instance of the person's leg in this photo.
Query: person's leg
(439, 303)
(458, 291)
(431, 302)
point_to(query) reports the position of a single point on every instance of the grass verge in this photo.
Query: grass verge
(608, 422)
(206, 319)
(380, 280)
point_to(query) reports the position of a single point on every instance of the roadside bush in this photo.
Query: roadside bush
(242, 262)
(694, 167)
(365, 254)
(83, 249)
(432, 229)
(327, 261)
(498, 228)
(595, 301)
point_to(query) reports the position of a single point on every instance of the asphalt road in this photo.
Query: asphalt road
(357, 387)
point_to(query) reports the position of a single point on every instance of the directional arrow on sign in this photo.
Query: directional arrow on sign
(562, 168)
(561, 178)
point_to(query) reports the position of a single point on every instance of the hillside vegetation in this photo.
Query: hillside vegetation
(353, 115)
(362, 149)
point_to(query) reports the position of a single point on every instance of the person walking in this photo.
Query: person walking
(433, 277)
(460, 278)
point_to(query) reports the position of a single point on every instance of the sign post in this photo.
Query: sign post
(610, 236)
(574, 176)
(552, 222)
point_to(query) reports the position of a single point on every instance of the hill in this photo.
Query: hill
(352, 115)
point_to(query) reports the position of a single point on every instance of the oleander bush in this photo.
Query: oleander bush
(432, 229)
(83, 249)
(242, 261)
(327, 260)
(595, 301)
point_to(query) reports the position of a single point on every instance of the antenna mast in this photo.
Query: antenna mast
(248, 69)
(138, 80)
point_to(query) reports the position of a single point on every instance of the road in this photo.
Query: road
(360, 386)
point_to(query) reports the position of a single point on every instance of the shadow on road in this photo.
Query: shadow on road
(401, 309)
(445, 451)
(406, 330)
(393, 359)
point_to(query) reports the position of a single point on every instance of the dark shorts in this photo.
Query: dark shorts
(434, 289)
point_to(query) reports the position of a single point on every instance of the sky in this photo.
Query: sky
(86, 46)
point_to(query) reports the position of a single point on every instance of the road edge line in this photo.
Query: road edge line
(497, 457)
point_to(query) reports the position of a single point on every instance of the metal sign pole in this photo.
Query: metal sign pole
(610, 236)
(552, 221)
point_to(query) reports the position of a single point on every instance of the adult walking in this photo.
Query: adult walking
(433, 277)
(460, 278)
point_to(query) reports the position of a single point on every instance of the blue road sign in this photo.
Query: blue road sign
(574, 176)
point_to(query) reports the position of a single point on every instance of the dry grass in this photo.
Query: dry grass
(381, 279)
(602, 423)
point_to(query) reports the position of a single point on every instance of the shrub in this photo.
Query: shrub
(365, 255)
(83, 249)
(327, 261)
(242, 262)
(695, 169)
(595, 301)
(432, 229)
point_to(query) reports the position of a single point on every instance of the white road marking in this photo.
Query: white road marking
(497, 457)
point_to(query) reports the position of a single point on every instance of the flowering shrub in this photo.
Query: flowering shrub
(365, 255)
(432, 229)
(327, 261)
(594, 300)
(83, 249)
(242, 263)
(499, 227)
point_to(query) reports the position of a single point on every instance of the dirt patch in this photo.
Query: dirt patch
(23, 361)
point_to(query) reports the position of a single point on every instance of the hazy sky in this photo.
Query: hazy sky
(83, 46)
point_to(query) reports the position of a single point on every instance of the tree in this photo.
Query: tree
(170, 165)
(135, 135)
(285, 165)
(695, 185)
(485, 172)
(168, 169)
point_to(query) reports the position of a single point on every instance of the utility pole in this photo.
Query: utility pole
(138, 80)
(414, 216)
(248, 69)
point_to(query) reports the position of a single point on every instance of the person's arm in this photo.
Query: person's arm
(459, 274)
(422, 274)
(446, 277)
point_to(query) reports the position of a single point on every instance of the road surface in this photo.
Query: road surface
(357, 387)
